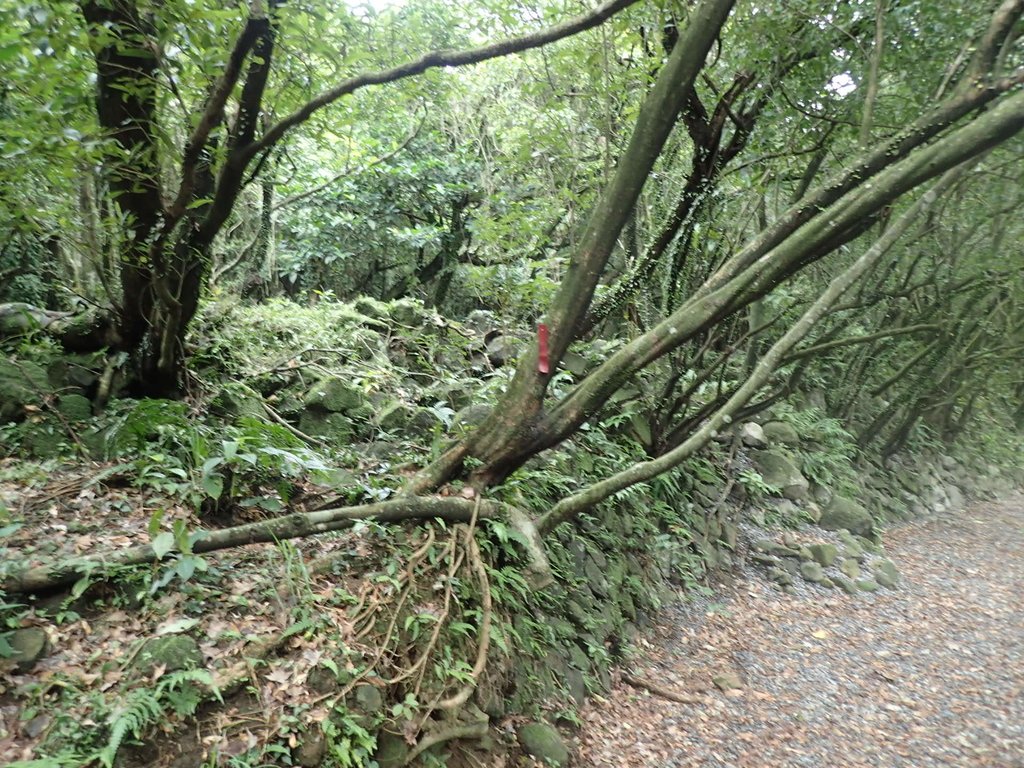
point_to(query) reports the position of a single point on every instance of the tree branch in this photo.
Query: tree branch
(435, 60)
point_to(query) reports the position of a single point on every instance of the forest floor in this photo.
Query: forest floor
(931, 674)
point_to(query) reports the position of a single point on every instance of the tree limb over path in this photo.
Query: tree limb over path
(293, 526)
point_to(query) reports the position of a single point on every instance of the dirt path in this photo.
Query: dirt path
(929, 675)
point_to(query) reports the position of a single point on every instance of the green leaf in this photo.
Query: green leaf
(213, 485)
(162, 544)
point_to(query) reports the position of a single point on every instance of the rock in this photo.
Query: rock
(845, 584)
(821, 494)
(885, 573)
(727, 681)
(851, 546)
(21, 383)
(322, 679)
(408, 419)
(730, 534)
(813, 511)
(174, 652)
(827, 583)
(311, 750)
(780, 577)
(409, 312)
(368, 699)
(790, 540)
(543, 742)
(823, 554)
(781, 550)
(842, 512)
(752, 435)
(236, 399)
(956, 496)
(471, 416)
(778, 471)
(29, 645)
(336, 396)
(75, 407)
(781, 432)
(576, 685)
(392, 751)
(333, 426)
(867, 585)
(596, 578)
(811, 572)
(763, 559)
(850, 568)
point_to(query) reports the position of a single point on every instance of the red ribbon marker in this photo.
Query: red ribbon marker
(542, 348)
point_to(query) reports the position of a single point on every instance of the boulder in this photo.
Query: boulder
(842, 513)
(780, 432)
(336, 396)
(885, 573)
(779, 471)
(845, 584)
(237, 399)
(752, 435)
(391, 752)
(543, 742)
(75, 407)
(955, 496)
(727, 681)
(28, 646)
(823, 554)
(850, 568)
(867, 585)
(811, 571)
(21, 383)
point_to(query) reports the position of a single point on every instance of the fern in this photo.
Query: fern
(141, 708)
(144, 707)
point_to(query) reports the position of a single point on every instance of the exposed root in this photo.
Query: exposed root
(657, 690)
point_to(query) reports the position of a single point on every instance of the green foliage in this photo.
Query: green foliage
(754, 485)
(828, 452)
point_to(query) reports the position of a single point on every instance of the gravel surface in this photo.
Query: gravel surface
(931, 674)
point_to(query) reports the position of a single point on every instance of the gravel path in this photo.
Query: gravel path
(931, 674)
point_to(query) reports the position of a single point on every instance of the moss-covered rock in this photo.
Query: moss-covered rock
(336, 396)
(22, 383)
(823, 554)
(236, 400)
(392, 751)
(779, 471)
(543, 742)
(173, 652)
(842, 513)
(332, 426)
(29, 645)
(812, 572)
(780, 432)
(75, 407)
(885, 573)
(845, 584)
(850, 568)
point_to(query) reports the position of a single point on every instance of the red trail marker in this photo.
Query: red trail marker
(542, 347)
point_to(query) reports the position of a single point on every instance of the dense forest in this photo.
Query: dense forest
(421, 295)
